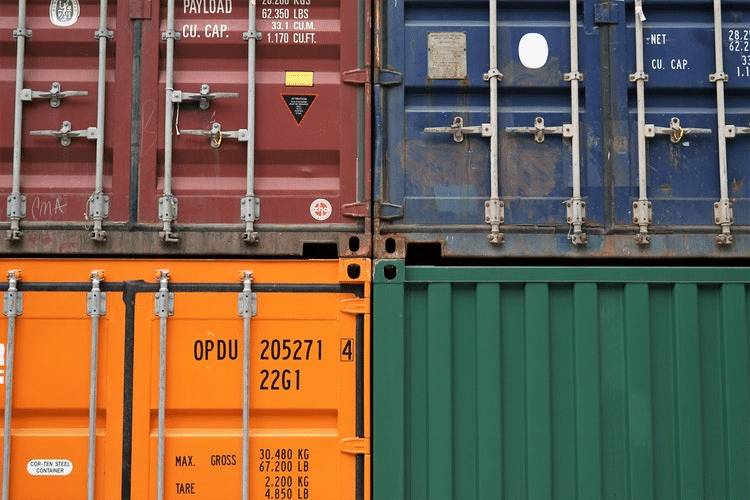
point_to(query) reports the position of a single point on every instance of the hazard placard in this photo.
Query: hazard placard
(299, 105)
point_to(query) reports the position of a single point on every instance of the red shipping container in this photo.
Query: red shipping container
(311, 154)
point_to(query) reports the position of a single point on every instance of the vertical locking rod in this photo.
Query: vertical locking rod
(494, 207)
(723, 208)
(246, 306)
(168, 202)
(642, 208)
(12, 308)
(163, 308)
(16, 200)
(576, 205)
(98, 206)
(95, 308)
(250, 204)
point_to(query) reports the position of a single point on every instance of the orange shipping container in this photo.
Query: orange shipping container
(306, 394)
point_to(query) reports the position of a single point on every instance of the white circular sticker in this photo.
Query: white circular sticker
(321, 209)
(64, 12)
(533, 50)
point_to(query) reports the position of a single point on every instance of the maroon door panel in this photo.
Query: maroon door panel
(312, 128)
(58, 180)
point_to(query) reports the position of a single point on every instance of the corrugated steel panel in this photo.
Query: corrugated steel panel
(309, 382)
(312, 140)
(431, 189)
(589, 383)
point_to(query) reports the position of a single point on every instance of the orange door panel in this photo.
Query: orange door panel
(307, 393)
(308, 380)
(49, 448)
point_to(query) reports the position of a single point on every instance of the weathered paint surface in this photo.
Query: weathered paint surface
(527, 383)
(429, 189)
(312, 156)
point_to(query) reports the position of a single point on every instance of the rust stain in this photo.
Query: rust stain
(737, 185)
(528, 168)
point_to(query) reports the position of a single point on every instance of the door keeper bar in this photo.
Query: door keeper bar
(16, 209)
(163, 308)
(494, 208)
(247, 308)
(12, 308)
(575, 206)
(98, 202)
(96, 307)
(250, 204)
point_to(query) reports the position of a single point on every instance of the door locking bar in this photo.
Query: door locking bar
(204, 96)
(494, 208)
(16, 209)
(540, 130)
(96, 307)
(55, 94)
(216, 135)
(250, 203)
(723, 209)
(98, 202)
(168, 204)
(575, 206)
(12, 308)
(163, 309)
(66, 133)
(247, 307)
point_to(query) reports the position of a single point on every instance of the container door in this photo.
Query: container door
(311, 124)
(438, 180)
(57, 53)
(306, 393)
(683, 166)
(50, 370)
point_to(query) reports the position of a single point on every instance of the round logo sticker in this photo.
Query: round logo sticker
(64, 12)
(321, 209)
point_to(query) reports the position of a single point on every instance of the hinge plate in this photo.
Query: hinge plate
(357, 210)
(139, 9)
(354, 306)
(606, 13)
(388, 77)
(359, 76)
(388, 211)
(355, 446)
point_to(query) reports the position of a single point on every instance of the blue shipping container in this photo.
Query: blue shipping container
(433, 168)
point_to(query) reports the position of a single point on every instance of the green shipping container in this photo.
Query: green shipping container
(589, 383)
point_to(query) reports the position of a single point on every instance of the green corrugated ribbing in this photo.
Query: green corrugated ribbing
(561, 383)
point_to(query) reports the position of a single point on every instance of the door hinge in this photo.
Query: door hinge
(388, 77)
(357, 210)
(354, 306)
(355, 446)
(359, 76)
(606, 13)
(388, 211)
(139, 9)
